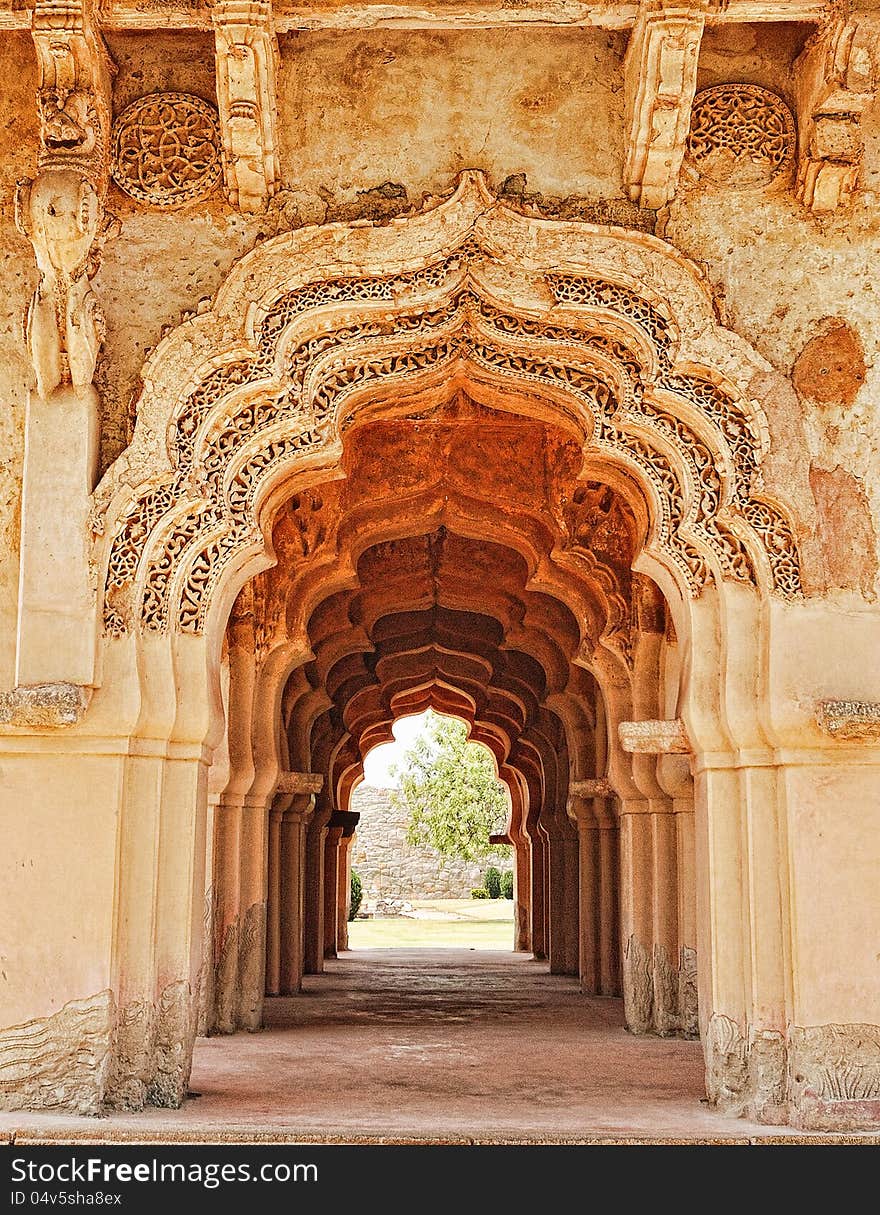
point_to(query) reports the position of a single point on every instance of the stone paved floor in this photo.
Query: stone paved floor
(432, 1045)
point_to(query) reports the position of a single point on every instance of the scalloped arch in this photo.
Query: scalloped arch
(610, 333)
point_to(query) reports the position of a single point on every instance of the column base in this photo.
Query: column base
(60, 1062)
(824, 1077)
(659, 994)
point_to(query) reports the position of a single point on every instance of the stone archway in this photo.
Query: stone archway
(610, 337)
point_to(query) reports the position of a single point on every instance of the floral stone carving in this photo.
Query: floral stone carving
(741, 136)
(166, 149)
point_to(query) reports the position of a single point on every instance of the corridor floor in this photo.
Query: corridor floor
(441, 1045)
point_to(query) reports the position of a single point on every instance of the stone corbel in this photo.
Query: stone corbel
(246, 49)
(346, 820)
(61, 211)
(660, 79)
(835, 80)
(654, 737)
(299, 783)
(850, 720)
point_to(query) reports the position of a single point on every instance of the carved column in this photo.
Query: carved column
(300, 787)
(62, 213)
(522, 890)
(246, 50)
(834, 81)
(343, 885)
(589, 805)
(332, 841)
(292, 847)
(650, 882)
(273, 904)
(660, 75)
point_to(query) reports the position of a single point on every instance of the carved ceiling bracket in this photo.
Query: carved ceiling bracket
(75, 71)
(246, 50)
(835, 80)
(660, 77)
(61, 212)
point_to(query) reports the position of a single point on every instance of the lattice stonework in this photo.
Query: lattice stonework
(605, 353)
(166, 149)
(741, 136)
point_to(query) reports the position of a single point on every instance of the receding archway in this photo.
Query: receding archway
(250, 410)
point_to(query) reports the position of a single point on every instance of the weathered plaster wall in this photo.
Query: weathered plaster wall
(803, 291)
(416, 107)
(390, 867)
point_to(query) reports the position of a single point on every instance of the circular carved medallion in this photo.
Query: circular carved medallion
(166, 149)
(741, 135)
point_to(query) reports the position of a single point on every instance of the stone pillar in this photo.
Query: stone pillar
(313, 948)
(589, 805)
(331, 886)
(537, 892)
(343, 886)
(650, 884)
(273, 909)
(555, 896)
(610, 978)
(294, 825)
(522, 853)
(239, 897)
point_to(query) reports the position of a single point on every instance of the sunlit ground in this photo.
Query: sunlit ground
(439, 924)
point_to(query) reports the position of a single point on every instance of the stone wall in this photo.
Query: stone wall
(388, 865)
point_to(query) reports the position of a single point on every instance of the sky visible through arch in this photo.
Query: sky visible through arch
(378, 763)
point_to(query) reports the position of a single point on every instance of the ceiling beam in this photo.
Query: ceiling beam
(423, 14)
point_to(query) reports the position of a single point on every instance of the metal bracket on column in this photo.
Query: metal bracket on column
(660, 79)
(654, 737)
(246, 49)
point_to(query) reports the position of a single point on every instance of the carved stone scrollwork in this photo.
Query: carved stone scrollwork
(606, 357)
(166, 149)
(741, 136)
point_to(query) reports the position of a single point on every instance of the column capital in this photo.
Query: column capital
(300, 810)
(299, 782)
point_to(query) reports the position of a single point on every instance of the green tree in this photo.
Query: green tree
(450, 789)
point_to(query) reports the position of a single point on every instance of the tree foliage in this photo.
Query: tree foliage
(450, 789)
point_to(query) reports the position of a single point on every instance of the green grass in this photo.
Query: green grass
(471, 924)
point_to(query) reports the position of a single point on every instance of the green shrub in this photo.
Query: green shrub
(507, 885)
(479, 892)
(357, 893)
(493, 882)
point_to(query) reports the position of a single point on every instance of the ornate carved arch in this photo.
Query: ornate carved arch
(608, 332)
